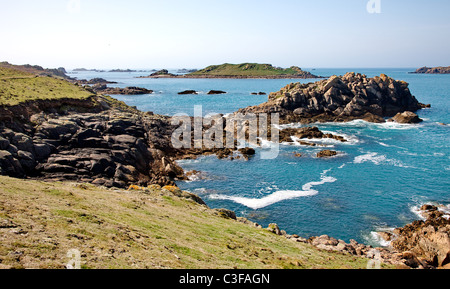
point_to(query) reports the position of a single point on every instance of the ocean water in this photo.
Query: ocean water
(377, 181)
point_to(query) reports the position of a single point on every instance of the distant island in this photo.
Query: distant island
(433, 70)
(240, 71)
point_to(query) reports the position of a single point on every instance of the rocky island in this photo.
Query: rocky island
(433, 70)
(240, 71)
(340, 99)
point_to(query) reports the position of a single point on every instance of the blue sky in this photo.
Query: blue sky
(197, 33)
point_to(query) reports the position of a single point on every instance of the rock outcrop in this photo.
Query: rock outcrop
(105, 145)
(307, 133)
(406, 117)
(428, 240)
(339, 99)
(186, 92)
(216, 92)
(131, 90)
(327, 154)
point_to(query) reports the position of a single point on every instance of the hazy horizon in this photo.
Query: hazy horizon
(176, 34)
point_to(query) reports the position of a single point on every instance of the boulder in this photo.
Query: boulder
(407, 117)
(188, 92)
(326, 154)
(43, 150)
(274, 229)
(227, 214)
(4, 143)
(247, 151)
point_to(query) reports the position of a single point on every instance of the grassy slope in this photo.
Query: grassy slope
(40, 222)
(245, 69)
(18, 86)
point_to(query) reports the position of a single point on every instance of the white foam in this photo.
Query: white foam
(363, 124)
(416, 211)
(277, 196)
(297, 142)
(379, 160)
(370, 157)
(376, 239)
(420, 214)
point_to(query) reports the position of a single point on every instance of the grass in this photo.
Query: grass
(134, 229)
(246, 69)
(17, 87)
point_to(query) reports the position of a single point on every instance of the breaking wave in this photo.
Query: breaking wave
(278, 196)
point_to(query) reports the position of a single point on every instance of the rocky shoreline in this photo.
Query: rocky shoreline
(107, 143)
(420, 245)
(100, 141)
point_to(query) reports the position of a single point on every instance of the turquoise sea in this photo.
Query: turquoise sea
(377, 182)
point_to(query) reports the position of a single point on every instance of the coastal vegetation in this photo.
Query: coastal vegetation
(249, 69)
(17, 86)
(243, 70)
(138, 228)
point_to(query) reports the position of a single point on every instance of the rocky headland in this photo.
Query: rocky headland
(340, 99)
(97, 141)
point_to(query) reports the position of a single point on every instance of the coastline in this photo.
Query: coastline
(121, 121)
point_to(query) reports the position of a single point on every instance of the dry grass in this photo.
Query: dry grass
(40, 222)
(18, 87)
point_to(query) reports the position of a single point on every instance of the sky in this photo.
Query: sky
(138, 34)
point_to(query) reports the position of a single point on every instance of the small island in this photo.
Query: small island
(241, 71)
(433, 70)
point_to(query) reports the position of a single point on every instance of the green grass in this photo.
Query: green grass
(153, 232)
(246, 69)
(17, 87)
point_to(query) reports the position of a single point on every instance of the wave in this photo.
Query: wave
(420, 214)
(278, 196)
(359, 123)
(379, 160)
(375, 239)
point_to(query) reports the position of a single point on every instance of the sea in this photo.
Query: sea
(380, 178)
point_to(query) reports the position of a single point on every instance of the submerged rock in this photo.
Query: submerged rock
(188, 92)
(216, 92)
(326, 154)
